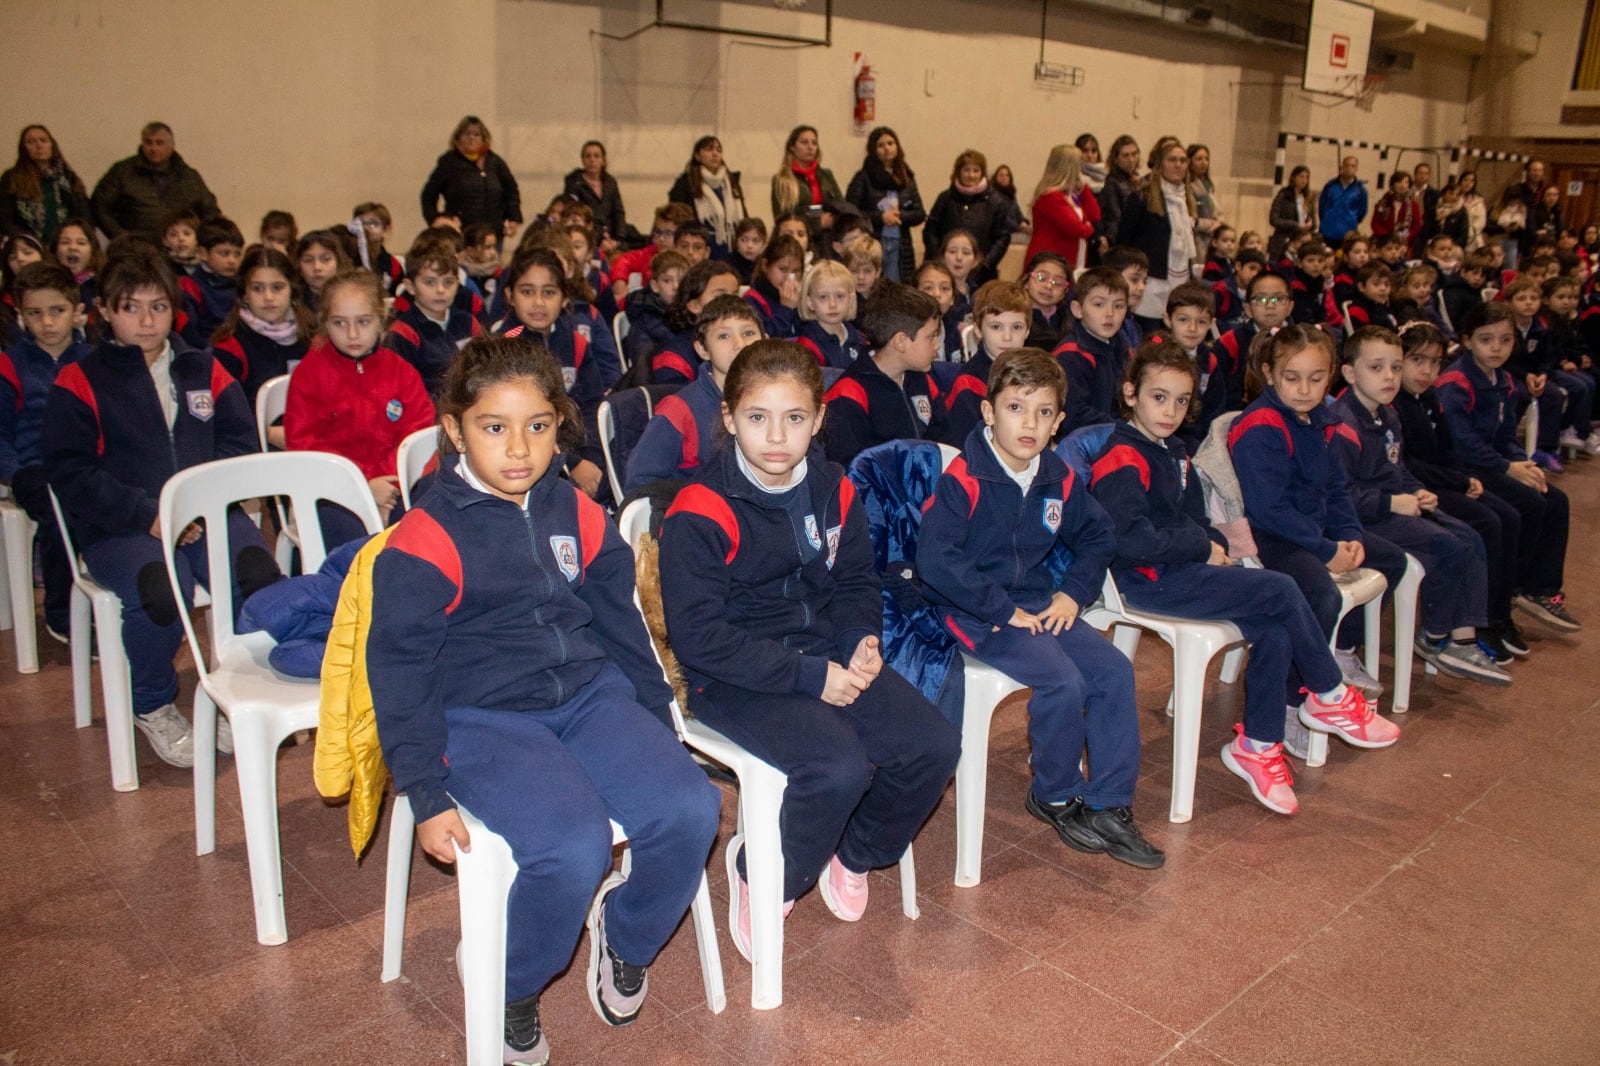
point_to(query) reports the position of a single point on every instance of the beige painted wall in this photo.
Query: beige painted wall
(328, 103)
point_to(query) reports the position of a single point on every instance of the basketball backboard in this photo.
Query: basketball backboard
(1337, 43)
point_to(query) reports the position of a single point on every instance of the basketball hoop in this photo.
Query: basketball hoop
(1371, 86)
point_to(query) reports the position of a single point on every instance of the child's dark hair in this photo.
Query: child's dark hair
(1368, 271)
(675, 213)
(43, 276)
(1100, 277)
(1488, 313)
(372, 207)
(750, 224)
(1120, 257)
(183, 216)
(1416, 336)
(97, 260)
(1559, 282)
(1270, 348)
(428, 252)
(368, 283)
(1368, 334)
(127, 273)
(1246, 256)
(266, 257)
(933, 264)
(1158, 353)
(494, 359)
(321, 238)
(771, 359)
(1220, 230)
(475, 233)
(692, 287)
(276, 220)
(1046, 257)
(669, 259)
(219, 230)
(1028, 369)
(1541, 262)
(893, 309)
(719, 308)
(1392, 240)
(691, 230)
(782, 246)
(1519, 286)
(1317, 248)
(957, 234)
(1421, 270)
(1353, 238)
(1262, 278)
(1192, 294)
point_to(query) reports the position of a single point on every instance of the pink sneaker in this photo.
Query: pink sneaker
(1264, 771)
(741, 922)
(844, 892)
(1351, 720)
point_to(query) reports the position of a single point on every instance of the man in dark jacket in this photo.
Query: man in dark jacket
(138, 193)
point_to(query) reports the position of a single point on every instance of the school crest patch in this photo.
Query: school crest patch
(923, 408)
(1052, 514)
(1183, 473)
(393, 410)
(200, 404)
(811, 531)
(833, 545)
(1391, 447)
(569, 377)
(565, 549)
(585, 332)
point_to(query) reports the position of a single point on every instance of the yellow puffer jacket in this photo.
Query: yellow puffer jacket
(348, 757)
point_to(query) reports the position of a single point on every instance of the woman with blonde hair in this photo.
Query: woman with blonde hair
(803, 184)
(1065, 211)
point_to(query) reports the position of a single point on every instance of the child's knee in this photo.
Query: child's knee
(155, 595)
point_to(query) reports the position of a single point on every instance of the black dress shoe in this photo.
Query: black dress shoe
(1063, 819)
(1118, 837)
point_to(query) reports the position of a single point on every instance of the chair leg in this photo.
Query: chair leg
(116, 689)
(1405, 633)
(1232, 664)
(763, 858)
(483, 880)
(972, 786)
(18, 557)
(255, 759)
(203, 726)
(80, 638)
(705, 935)
(1372, 623)
(908, 885)
(1189, 661)
(397, 886)
(1126, 640)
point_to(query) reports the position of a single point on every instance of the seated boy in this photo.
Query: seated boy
(990, 574)
(212, 288)
(631, 270)
(278, 230)
(1267, 306)
(889, 394)
(1392, 251)
(1000, 311)
(1370, 305)
(1229, 294)
(686, 428)
(1134, 266)
(1188, 319)
(178, 238)
(1463, 290)
(107, 453)
(693, 241)
(648, 331)
(1046, 281)
(1309, 286)
(431, 329)
(1095, 355)
(376, 226)
(47, 308)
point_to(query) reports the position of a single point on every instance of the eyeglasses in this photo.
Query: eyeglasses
(1049, 279)
(1269, 301)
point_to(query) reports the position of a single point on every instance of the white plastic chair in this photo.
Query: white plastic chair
(620, 327)
(420, 448)
(761, 788)
(606, 425)
(263, 706)
(16, 569)
(483, 882)
(271, 401)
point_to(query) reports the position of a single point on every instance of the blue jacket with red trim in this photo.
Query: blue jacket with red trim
(391, 270)
(866, 407)
(254, 359)
(1344, 285)
(963, 405)
(742, 605)
(1229, 299)
(986, 549)
(107, 447)
(685, 431)
(1478, 410)
(1365, 311)
(648, 332)
(26, 373)
(1094, 369)
(1430, 451)
(477, 602)
(210, 298)
(1151, 491)
(1293, 485)
(675, 362)
(1218, 268)
(428, 346)
(467, 299)
(776, 319)
(830, 350)
(1310, 298)
(1372, 447)
(1232, 351)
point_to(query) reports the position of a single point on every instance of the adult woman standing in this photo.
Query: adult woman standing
(592, 185)
(1477, 210)
(1207, 215)
(1065, 212)
(803, 184)
(885, 189)
(708, 186)
(40, 191)
(476, 184)
(1159, 221)
(1294, 211)
(1121, 185)
(970, 204)
(1093, 167)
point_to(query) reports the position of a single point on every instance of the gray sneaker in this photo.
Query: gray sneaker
(525, 1043)
(1469, 661)
(1551, 610)
(167, 730)
(616, 988)
(1296, 737)
(1355, 674)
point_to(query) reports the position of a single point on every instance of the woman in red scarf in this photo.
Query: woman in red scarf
(803, 184)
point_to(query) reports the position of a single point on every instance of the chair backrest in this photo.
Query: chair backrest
(969, 340)
(622, 418)
(66, 535)
(420, 448)
(620, 327)
(271, 399)
(1080, 447)
(204, 493)
(1110, 595)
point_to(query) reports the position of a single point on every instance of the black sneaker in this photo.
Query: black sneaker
(525, 1042)
(1104, 832)
(1511, 638)
(1551, 610)
(1493, 645)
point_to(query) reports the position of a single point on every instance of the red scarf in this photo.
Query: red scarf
(810, 174)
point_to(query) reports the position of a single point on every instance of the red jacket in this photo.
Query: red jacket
(358, 408)
(1397, 215)
(1060, 226)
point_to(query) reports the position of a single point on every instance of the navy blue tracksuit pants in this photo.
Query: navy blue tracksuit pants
(130, 564)
(1318, 586)
(862, 779)
(1542, 546)
(1499, 526)
(1082, 696)
(1288, 649)
(550, 782)
(1455, 589)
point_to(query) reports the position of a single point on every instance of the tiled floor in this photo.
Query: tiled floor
(1433, 903)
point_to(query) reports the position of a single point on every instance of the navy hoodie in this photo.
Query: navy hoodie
(685, 431)
(428, 346)
(1478, 410)
(477, 602)
(26, 373)
(254, 359)
(829, 350)
(1430, 453)
(648, 332)
(1373, 456)
(866, 407)
(1094, 369)
(1153, 495)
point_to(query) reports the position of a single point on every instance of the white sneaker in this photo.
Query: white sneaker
(167, 730)
(1296, 737)
(1570, 439)
(1591, 443)
(1355, 674)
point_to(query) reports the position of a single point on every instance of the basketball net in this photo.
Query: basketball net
(1368, 90)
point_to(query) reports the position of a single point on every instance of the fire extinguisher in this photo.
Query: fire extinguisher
(866, 109)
